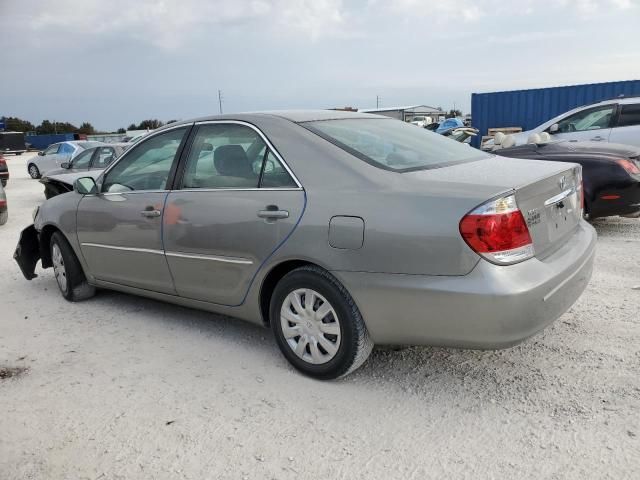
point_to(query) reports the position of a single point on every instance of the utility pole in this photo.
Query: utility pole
(220, 100)
(377, 101)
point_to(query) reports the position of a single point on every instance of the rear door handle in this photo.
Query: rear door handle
(273, 213)
(150, 212)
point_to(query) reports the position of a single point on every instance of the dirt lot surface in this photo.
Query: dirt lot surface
(120, 387)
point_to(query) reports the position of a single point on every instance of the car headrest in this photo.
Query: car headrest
(232, 161)
(545, 137)
(498, 138)
(534, 138)
(508, 141)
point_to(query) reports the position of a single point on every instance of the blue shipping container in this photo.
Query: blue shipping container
(530, 108)
(41, 142)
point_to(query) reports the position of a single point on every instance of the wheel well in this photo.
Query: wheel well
(45, 241)
(271, 280)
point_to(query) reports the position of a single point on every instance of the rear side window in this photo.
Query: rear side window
(392, 144)
(629, 115)
(232, 156)
(66, 149)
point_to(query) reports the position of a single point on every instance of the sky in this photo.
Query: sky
(117, 62)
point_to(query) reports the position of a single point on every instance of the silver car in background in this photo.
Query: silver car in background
(338, 230)
(52, 157)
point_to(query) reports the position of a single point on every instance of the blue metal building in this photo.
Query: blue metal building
(40, 142)
(530, 108)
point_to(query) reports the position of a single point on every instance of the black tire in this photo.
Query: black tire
(4, 182)
(355, 344)
(18, 154)
(76, 287)
(4, 216)
(33, 170)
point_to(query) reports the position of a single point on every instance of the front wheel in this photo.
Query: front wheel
(33, 171)
(68, 271)
(317, 324)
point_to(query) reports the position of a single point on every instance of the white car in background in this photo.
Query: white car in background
(55, 155)
(615, 121)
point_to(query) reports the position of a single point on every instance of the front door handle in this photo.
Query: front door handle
(272, 212)
(150, 212)
(597, 139)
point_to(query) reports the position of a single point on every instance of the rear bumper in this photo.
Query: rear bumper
(491, 307)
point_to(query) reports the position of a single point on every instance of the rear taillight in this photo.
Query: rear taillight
(3, 161)
(497, 231)
(629, 166)
(580, 188)
(3, 203)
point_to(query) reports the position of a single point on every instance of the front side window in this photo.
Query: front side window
(629, 115)
(52, 149)
(83, 160)
(393, 145)
(232, 156)
(592, 119)
(147, 165)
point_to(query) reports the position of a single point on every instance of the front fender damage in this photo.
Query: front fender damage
(27, 252)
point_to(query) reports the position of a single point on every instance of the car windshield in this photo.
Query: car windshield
(393, 145)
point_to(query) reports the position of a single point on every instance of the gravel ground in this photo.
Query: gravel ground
(123, 387)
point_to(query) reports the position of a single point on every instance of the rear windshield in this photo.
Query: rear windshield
(394, 145)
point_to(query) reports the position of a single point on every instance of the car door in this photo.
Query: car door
(49, 158)
(120, 228)
(627, 128)
(236, 201)
(592, 124)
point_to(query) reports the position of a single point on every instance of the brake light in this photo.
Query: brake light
(629, 166)
(580, 187)
(3, 161)
(3, 203)
(497, 231)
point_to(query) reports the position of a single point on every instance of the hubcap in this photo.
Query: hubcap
(33, 171)
(310, 326)
(58, 267)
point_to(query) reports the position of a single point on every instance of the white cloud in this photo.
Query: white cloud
(168, 24)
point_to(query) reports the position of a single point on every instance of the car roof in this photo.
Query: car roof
(296, 116)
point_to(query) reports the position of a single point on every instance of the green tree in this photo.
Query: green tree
(453, 113)
(15, 124)
(133, 126)
(121, 130)
(87, 129)
(151, 124)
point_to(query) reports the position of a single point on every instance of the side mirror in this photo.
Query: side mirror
(554, 128)
(41, 153)
(85, 186)
(65, 165)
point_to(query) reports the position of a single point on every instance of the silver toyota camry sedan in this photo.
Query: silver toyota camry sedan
(337, 230)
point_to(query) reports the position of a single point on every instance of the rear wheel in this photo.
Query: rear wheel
(4, 182)
(68, 271)
(317, 324)
(4, 216)
(33, 171)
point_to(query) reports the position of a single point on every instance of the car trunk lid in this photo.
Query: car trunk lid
(547, 193)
